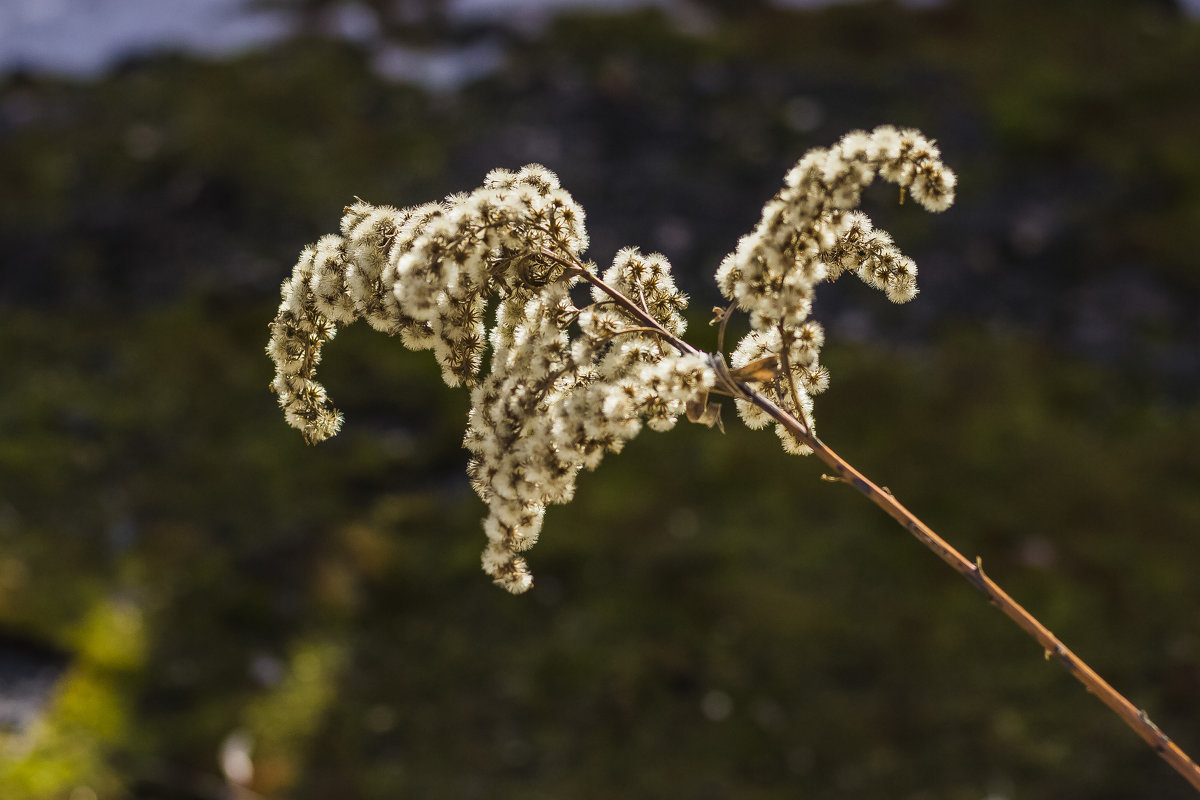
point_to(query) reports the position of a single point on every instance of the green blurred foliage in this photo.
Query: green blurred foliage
(710, 619)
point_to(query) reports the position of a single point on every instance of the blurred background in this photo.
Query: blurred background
(194, 604)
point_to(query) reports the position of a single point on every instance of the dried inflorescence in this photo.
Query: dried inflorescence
(567, 384)
(809, 233)
(425, 273)
(552, 406)
(551, 403)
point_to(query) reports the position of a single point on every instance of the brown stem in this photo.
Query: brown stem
(1132, 716)
(637, 330)
(791, 380)
(577, 269)
(721, 331)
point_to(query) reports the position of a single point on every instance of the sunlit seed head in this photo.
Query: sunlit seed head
(563, 386)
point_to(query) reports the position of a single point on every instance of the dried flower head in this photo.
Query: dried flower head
(810, 233)
(567, 383)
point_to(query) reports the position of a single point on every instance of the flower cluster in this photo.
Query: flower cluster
(425, 273)
(565, 383)
(809, 233)
(551, 404)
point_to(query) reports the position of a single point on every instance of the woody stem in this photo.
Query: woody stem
(1131, 715)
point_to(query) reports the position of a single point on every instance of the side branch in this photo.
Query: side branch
(576, 269)
(1134, 717)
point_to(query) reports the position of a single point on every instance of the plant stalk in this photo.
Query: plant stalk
(1131, 715)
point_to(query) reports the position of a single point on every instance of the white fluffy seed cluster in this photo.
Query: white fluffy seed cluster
(552, 406)
(425, 273)
(565, 384)
(808, 233)
(551, 403)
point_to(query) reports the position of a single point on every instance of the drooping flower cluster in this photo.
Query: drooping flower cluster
(550, 404)
(567, 384)
(809, 233)
(425, 273)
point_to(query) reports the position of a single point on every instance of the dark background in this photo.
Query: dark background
(182, 580)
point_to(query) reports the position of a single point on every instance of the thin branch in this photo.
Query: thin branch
(575, 268)
(723, 317)
(791, 380)
(637, 330)
(1131, 715)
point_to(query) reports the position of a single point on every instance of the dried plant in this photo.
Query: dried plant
(567, 381)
